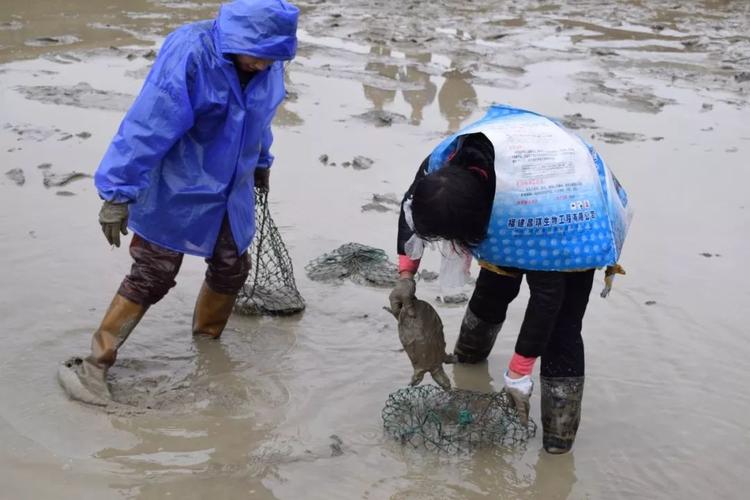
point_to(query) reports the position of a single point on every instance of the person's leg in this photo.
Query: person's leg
(546, 296)
(563, 366)
(485, 314)
(547, 292)
(151, 276)
(226, 274)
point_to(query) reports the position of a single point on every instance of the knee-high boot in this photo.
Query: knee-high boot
(476, 338)
(212, 311)
(561, 412)
(85, 379)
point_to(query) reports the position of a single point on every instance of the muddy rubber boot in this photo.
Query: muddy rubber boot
(476, 338)
(212, 312)
(85, 379)
(561, 412)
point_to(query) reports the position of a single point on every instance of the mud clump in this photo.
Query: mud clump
(17, 176)
(358, 163)
(376, 207)
(59, 180)
(630, 97)
(81, 95)
(50, 41)
(428, 276)
(11, 25)
(618, 137)
(708, 255)
(336, 446)
(362, 163)
(453, 299)
(381, 118)
(169, 385)
(383, 203)
(578, 121)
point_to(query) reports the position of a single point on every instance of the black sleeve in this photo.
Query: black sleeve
(472, 150)
(404, 231)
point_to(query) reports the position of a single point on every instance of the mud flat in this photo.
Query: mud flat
(660, 88)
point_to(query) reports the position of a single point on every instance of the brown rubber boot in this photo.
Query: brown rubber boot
(212, 312)
(85, 379)
(121, 318)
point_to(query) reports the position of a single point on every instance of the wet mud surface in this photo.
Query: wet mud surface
(282, 407)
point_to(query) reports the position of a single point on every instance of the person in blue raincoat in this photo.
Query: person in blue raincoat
(181, 170)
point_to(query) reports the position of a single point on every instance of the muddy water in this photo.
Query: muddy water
(661, 88)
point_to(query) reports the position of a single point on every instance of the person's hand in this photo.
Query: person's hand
(114, 220)
(403, 296)
(263, 178)
(519, 390)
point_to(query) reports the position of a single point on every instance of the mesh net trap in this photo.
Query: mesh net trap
(454, 421)
(362, 264)
(270, 287)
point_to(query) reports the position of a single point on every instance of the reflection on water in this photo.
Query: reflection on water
(378, 96)
(457, 98)
(418, 99)
(473, 377)
(554, 476)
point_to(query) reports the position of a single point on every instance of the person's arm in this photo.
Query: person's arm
(408, 267)
(265, 160)
(160, 115)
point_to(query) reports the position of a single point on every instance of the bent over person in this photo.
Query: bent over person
(526, 198)
(181, 169)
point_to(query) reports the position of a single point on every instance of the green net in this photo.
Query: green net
(270, 287)
(362, 264)
(454, 421)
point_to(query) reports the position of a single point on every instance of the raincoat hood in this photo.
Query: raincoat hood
(260, 28)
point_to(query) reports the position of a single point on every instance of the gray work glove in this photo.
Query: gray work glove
(263, 178)
(519, 391)
(403, 295)
(114, 220)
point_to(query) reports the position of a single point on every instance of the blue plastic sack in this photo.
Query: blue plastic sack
(557, 206)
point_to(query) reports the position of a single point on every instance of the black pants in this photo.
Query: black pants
(554, 316)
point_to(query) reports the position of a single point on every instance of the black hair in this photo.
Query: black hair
(452, 204)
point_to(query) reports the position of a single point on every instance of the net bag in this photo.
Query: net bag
(362, 264)
(270, 286)
(454, 421)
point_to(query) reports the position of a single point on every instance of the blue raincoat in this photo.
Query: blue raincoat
(186, 152)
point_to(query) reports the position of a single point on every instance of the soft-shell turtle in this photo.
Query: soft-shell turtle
(421, 334)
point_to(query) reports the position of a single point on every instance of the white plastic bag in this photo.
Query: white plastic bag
(454, 268)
